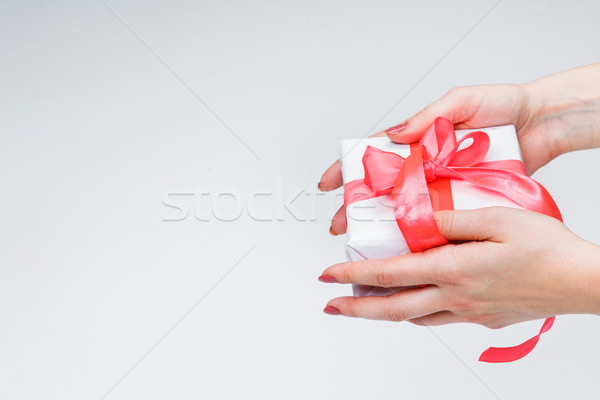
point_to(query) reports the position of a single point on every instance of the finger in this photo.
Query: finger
(332, 178)
(479, 224)
(338, 223)
(453, 105)
(400, 306)
(438, 318)
(404, 270)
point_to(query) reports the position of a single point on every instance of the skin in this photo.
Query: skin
(509, 265)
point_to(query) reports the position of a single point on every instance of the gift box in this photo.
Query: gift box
(391, 191)
(372, 231)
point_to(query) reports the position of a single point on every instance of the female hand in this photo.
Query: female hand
(552, 116)
(517, 265)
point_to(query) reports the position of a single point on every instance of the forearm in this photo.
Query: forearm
(567, 104)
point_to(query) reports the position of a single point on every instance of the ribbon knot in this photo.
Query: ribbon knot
(429, 167)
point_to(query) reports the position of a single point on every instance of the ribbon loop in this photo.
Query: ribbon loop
(472, 154)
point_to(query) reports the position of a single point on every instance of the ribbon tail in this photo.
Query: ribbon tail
(414, 212)
(519, 188)
(509, 354)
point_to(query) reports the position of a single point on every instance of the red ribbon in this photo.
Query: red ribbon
(438, 155)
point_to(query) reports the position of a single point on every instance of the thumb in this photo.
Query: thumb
(479, 224)
(449, 106)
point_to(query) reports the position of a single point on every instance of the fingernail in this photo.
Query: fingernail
(394, 130)
(332, 232)
(320, 187)
(332, 311)
(328, 279)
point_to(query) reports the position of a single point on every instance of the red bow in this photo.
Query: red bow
(439, 155)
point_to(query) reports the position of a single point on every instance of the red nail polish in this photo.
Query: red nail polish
(332, 232)
(394, 130)
(332, 311)
(328, 279)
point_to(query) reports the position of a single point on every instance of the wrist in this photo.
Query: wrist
(565, 108)
(586, 278)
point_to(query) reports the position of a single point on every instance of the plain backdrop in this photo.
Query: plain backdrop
(120, 279)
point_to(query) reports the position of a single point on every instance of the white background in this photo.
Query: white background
(96, 131)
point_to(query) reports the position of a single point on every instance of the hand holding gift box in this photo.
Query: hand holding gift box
(503, 265)
(392, 190)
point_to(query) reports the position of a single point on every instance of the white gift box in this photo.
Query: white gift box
(372, 231)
